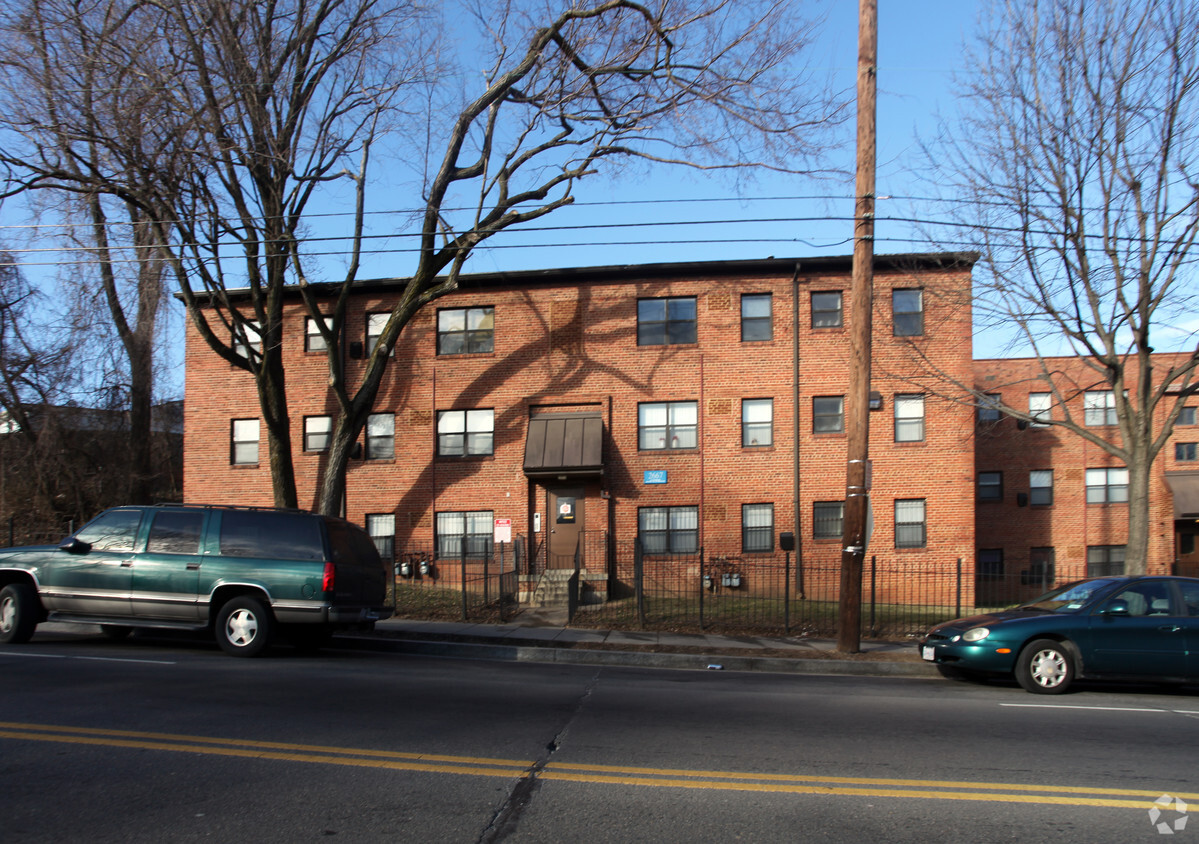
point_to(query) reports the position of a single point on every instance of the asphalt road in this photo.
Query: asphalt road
(151, 741)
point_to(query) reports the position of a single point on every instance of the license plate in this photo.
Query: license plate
(928, 653)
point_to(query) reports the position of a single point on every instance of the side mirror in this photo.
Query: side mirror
(73, 545)
(1117, 607)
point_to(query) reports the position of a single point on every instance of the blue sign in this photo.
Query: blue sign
(655, 476)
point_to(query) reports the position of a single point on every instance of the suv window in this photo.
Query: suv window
(115, 530)
(176, 532)
(259, 533)
(350, 545)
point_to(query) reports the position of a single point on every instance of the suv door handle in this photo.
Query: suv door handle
(1170, 628)
(126, 564)
(193, 566)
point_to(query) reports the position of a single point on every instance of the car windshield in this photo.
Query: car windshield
(1070, 597)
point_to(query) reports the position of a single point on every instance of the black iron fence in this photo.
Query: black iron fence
(481, 584)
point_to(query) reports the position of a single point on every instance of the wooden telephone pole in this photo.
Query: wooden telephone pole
(857, 411)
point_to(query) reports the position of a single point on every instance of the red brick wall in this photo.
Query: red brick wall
(575, 345)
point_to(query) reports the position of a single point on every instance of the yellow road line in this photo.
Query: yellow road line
(593, 774)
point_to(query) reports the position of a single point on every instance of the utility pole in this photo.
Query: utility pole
(857, 411)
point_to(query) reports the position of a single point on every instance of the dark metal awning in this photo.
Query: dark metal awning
(1185, 486)
(565, 444)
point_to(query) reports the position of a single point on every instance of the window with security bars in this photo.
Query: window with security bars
(465, 331)
(468, 532)
(828, 519)
(1105, 560)
(663, 322)
(1040, 487)
(667, 425)
(989, 563)
(465, 433)
(1042, 568)
(756, 321)
(757, 422)
(910, 527)
(757, 527)
(1107, 486)
(668, 530)
(382, 530)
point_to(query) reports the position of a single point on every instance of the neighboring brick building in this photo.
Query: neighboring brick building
(1049, 502)
(615, 401)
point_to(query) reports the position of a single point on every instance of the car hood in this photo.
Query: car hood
(992, 618)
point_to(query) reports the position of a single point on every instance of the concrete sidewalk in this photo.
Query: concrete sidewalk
(544, 637)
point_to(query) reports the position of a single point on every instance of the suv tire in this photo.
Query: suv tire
(19, 613)
(244, 627)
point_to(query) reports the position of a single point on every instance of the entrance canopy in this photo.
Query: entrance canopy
(1185, 486)
(565, 444)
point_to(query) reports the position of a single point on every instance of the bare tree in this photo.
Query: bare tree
(1078, 159)
(246, 111)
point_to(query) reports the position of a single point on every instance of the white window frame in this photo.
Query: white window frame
(1099, 408)
(466, 433)
(1107, 485)
(674, 423)
(317, 430)
(379, 434)
(909, 418)
(244, 436)
(382, 529)
(1040, 408)
(1040, 487)
(757, 528)
(911, 517)
(757, 423)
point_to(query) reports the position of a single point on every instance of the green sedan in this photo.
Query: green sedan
(1141, 628)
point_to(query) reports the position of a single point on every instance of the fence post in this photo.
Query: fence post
(957, 610)
(462, 571)
(873, 589)
(639, 581)
(786, 593)
(702, 590)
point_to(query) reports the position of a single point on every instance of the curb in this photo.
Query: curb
(635, 659)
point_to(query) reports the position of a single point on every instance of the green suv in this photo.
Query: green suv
(244, 573)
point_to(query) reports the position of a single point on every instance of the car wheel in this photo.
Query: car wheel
(243, 627)
(309, 637)
(116, 632)
(1045, 667)
(19, 613)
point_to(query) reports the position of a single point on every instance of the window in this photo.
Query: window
(250, 337)
(465, 331)
(757, 422)
(909, 419)
(667, 425)
(375, 324)
(316, 432)
(907, 312)
(314, 341)
(757, 527)
(1186, 416)
(1040, 487)
(988, 407)
(1107, 486)
(756, 323)
(382, 530)
(990, 486)
(244, 442)
(1099, 408)
(662, 322)
(380, 436)
(462, 433)
(1186, 452)
(828, 415)
(1040, 408)
(274, 535)
(466, 533)
(665, 530)
(1042, 568)
(175, 532)
(989, 565)
(828, 519)
(826, 309)
(1105, 560)
(910, 529)
(115, 530)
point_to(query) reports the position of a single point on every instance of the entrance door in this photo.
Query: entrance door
(565, 508)
(1188, 550)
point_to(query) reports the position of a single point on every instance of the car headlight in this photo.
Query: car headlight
(976, 634)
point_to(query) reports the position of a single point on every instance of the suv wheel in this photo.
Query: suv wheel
(243, 627)
(18, 613)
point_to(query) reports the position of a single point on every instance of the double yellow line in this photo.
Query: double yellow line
(596, 774)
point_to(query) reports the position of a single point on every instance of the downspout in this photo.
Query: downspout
(799, 578)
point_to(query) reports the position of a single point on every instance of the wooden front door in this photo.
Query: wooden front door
(566, 525)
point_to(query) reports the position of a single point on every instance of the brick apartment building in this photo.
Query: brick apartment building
(696, 405)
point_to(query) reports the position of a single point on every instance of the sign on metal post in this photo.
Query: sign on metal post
(503, 531)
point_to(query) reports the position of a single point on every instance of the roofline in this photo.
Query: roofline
(636, 272)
